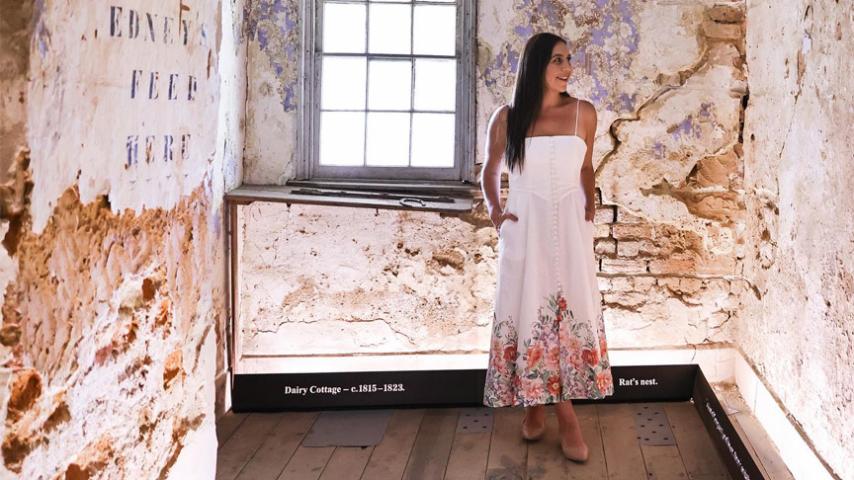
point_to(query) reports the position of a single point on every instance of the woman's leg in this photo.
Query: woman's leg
(570, 429)
(535, 417)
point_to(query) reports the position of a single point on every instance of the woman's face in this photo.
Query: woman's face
(559, 69)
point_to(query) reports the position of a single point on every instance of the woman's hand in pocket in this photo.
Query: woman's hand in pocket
(499, 217)
(589, 211)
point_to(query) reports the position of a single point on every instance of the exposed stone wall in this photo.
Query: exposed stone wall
(798, 330)
(15, 27)
(668, 82)
(112, 275)
(109, 339)
(351, 280)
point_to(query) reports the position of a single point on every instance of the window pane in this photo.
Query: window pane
(388, 139)
(435, 84)
(389, 84)
(433, 140)
(342, 137)
(389, 28)
(344, 27)
(343, 83)
(435, 30)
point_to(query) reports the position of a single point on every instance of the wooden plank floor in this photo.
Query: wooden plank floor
(423, 444)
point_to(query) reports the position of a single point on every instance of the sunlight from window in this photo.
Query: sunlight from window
(435, 84)
(388, 78)
(342, 139)
(343, 22)
(389, 84)
(343, 83)
(435, 30)
(389, 28)
(433, 140)
(388, 139)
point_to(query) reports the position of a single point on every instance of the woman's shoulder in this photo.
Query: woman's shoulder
(586, 106)
(586, 110)
(501, 111)
(499, 116)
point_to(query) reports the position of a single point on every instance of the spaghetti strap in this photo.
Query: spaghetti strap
(576, 115)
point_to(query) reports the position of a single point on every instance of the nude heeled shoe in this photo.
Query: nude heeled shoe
(535, 435)
(575, 454)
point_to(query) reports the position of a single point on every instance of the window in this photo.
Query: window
(391, 96)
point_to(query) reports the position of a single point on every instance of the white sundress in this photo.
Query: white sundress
(548, 337)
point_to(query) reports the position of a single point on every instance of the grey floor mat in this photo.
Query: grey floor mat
(348, 428)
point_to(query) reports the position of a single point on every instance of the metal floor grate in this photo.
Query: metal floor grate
(475, 420)
(652, 425)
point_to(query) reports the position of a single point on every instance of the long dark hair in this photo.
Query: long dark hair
(528, 94)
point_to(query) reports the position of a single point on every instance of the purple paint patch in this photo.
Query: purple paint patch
(262, 39)
(686, 128)
(275, 25)
(616, 16)
(514, 60)
(599, 95)
(627, 18)
(289, 102)
(524, 31)
(658, 148)
(626, 102)
(216, 220)
(599, 35)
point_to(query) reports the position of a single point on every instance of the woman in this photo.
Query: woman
(548, 339)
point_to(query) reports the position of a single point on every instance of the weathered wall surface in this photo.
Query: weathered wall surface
(800, 236)
(333, 280)
(112, 258)
(272, 28)
(667, 80)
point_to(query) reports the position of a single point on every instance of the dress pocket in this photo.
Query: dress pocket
(509, 235)
(508, 207)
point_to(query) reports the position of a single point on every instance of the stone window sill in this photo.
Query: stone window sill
(444, 197)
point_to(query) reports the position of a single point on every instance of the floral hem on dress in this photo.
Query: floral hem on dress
(562, 359)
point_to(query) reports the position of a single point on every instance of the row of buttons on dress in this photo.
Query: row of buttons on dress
(554, 212)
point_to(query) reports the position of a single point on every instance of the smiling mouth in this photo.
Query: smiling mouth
(563, 78)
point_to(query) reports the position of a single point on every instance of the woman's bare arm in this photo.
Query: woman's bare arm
(587, 172)
(490, 176)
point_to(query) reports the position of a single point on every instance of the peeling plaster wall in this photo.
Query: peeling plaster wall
(273, 35)
(113, 311)
(232, 109)
(14, 64)
(230, 142)
(321, 280)
(800, 238)
(667, 80)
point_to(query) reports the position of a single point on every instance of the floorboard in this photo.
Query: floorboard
(389, 457)
(624, 459)
(429, 456)
(695, 444)
(241, 446)
(278, 446)
(423, 444)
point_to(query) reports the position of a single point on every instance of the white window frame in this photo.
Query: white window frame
(307, 159)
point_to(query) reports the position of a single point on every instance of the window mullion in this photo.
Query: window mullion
(367, 81)
(411, 78)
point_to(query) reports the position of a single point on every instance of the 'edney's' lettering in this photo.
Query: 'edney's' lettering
(156, 27)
